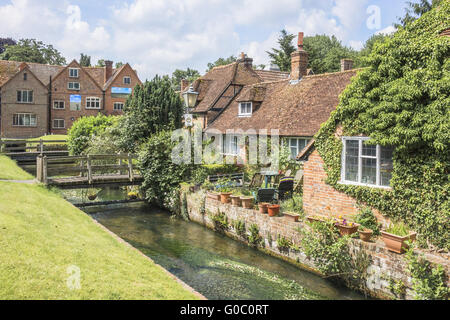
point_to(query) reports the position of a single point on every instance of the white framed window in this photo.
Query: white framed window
(73, 86)
(364, 164)
(118, 106)
(126, 80)
(73, 72)
(93, 103)
(25, 96)
(231, 145)
(296, 145)
(58, 104)
(59, 123)
(24, 120)
(245, 109)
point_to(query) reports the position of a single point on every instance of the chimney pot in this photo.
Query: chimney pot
(346, 64)
(299, 60)
(300, 40)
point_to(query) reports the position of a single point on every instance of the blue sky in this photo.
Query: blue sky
(159, 36)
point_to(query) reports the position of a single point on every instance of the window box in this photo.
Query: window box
(245, 109)
(366, 165)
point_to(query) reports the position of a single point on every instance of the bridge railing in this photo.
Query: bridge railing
(87, 166)
(11, 147)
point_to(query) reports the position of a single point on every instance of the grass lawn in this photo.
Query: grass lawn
(56, 137)
(10, 171)
(41, 235)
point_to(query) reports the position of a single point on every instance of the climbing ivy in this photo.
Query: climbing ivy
(402, 100)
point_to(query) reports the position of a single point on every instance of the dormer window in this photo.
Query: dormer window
(245, 109)
(73, 72)
(126, 80)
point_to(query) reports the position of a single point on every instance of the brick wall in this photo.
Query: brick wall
(322, 199)
(10, 106)
(384, 265)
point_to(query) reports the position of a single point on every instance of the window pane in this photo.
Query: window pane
(27, 119)
(19, 96)
(351, 160)
(30, 96)
(293, 142)
(369, 171)
(369, 150)
(294, 152)
(15, 120)
(33, 120)
(20, 119)
(386, 166)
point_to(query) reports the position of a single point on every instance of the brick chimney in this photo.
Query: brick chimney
(22, 66)
(299, 60)
(244, 59)
(108, 69)
(346, 64)
(184, 85)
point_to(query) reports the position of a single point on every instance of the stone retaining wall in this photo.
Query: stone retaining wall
(384, 267)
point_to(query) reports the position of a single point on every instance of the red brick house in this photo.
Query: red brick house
(65, 93)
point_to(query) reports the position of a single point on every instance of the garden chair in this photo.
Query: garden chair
(298, 180)
(266, 195)
(257, 181)
(285, 188)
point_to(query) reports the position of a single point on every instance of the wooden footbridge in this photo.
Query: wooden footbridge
(91, 171)
(26, 151)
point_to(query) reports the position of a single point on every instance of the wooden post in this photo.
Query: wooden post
(44, 170)
(41, 145)
(82, 167)
(39, 167)
(120, 163)
(89, 169)
(130, 168)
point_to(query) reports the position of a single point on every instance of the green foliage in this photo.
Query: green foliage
(283, 244)
(6, 42)
(254, 239)
(84, 129)
(184, 208)
(220, 221)
(201, 172)
(85, 60)
(328, 250)
(402, 100)
(221, 62)
(398, 229)
(161, 175)
(282, 56)
(294, 204)
(239, 227)
(325, 53)
(119, 64)
(100, 63)
(189, 74)
(152, 108)
(429, 282)
(31, 50)
(397, 287)
(105, 142)
(367, 220)
(416, 10)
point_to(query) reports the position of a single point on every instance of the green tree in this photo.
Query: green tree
(101, 63)
(119, 64)
(402, 100)
(363, 55)
(325, 53)
(31, 50)
(190, 74)
(6, 42)
(282, 56)
(85, 60)
(153, 107)
(416, 9)
(221, 62)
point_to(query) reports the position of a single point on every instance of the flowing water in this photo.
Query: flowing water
(214, 265)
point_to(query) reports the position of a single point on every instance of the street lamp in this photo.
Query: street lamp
(190, 98)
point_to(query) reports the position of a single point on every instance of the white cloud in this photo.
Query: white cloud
(388, 30)
(357, 45)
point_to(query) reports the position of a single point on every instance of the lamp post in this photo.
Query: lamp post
(190, 99)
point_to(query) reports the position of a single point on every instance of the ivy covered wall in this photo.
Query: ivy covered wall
(403, 100)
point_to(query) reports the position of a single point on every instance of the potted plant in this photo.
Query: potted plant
(273, 210)
(345, 227)
(92, 194)
(395, 237)
(213, 195)
(291, 216)
(235, 200)
(365, 234)
(368, 224)
(263, 207)
(247, 202)
(224, 187)
(290, 207)
(315, 218)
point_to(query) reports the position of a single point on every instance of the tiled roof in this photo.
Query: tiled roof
(295, 109)
(41, 71)
(270, 75)
(446, 32)
(97, 73)
(215, 82)
(7, 70)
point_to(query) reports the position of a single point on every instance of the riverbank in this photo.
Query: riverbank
(52, 250)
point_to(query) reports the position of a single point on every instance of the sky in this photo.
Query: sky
(159, 36)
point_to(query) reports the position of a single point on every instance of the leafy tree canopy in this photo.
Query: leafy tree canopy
(85, 60)
(101, 63)
(190, 74)
(282, 56)
(416, 10)
(6, 42)
(221, 62)
(153, 107)
(402, 99)
(31, 50)
(119, 64)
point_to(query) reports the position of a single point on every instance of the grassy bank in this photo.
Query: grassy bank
(10, 171)
(42, 235)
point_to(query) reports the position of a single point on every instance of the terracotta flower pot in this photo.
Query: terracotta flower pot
(273, 210)
(291, 216)
(225, 197)
(235, 201)
(312, 219)
(396, 243)
(365, 234)
(213, 196)
(263, 207)
(247, 202)
(347, 230)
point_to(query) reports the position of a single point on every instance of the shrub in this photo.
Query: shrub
(367, 220)
(239, 227)
(254, 239)
(220, 221)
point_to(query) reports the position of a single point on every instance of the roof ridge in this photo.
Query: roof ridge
(333, 73)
